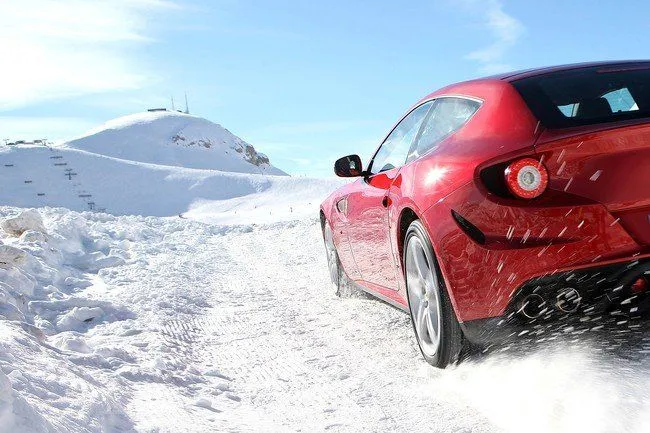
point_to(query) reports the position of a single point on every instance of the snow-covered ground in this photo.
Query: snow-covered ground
(153, 324)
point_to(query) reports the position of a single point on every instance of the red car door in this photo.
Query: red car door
(368, 229)
(368, 203)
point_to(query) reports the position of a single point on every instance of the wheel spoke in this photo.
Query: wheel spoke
(432, 322)
(423, 291)
(421, 320)
(419, 259)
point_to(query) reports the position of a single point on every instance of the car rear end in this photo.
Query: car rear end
(581, 243)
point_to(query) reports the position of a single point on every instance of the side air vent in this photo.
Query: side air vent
(494, 180)
(470, 229)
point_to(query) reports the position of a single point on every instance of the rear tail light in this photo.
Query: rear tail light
(526, 178)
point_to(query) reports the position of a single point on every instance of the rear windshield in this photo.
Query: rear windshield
(588, 96)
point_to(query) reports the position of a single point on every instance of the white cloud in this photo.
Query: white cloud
(59, 48)
(505, 30)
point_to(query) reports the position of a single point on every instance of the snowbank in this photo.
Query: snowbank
(46, 310)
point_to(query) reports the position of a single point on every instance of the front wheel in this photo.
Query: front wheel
(345, 288)
(436, 328)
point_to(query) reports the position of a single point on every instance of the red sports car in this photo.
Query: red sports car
(502, 201)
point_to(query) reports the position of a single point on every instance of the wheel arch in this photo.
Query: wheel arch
(407, 215)
(322, 220)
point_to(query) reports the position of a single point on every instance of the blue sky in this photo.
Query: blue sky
(304, 82)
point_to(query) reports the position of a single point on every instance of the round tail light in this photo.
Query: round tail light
(526, 178)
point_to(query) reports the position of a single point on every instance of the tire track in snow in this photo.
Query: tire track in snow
(291, 356)
(242, 332)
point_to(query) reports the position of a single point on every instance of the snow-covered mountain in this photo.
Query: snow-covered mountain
(177, 139)
(157, 164)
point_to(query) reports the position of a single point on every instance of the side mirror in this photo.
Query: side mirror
(348, 166)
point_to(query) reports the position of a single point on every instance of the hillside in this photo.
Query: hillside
(157, 164)
(36, 176)
(176, 139)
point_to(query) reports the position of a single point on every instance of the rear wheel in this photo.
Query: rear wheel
(436, 328)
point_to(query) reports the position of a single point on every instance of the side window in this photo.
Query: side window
(446, 116)
(395, 148)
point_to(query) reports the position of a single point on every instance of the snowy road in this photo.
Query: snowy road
(257, 308)
(236, 329)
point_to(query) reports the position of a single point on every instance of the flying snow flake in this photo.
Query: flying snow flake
(568, 184)
(594, 177)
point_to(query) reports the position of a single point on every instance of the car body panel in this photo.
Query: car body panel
(610, 166)
(367, 223)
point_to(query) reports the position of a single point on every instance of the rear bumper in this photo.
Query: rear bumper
(602, 289)
(523, 242)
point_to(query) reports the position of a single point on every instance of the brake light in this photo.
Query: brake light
(526, 178)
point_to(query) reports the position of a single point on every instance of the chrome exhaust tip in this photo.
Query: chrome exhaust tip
(532, 306)
(568, 300)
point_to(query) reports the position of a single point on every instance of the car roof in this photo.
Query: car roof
(482, 87)
(517, 75)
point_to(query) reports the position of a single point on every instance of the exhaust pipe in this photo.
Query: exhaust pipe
(568, 300)
(532, 306)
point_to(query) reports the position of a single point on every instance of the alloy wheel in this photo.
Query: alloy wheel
(424, 296)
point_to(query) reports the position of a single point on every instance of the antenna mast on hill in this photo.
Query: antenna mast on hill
(187, 109)
(173, 107)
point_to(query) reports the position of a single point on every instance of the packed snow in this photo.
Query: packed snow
(146, 294)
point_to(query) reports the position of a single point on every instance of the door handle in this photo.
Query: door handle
(385, 202)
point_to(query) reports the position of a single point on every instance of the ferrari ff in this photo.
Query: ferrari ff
(500, 203)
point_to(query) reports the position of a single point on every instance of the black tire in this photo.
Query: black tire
(451, 336)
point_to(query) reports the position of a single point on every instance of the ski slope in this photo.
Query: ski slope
(35, 176)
